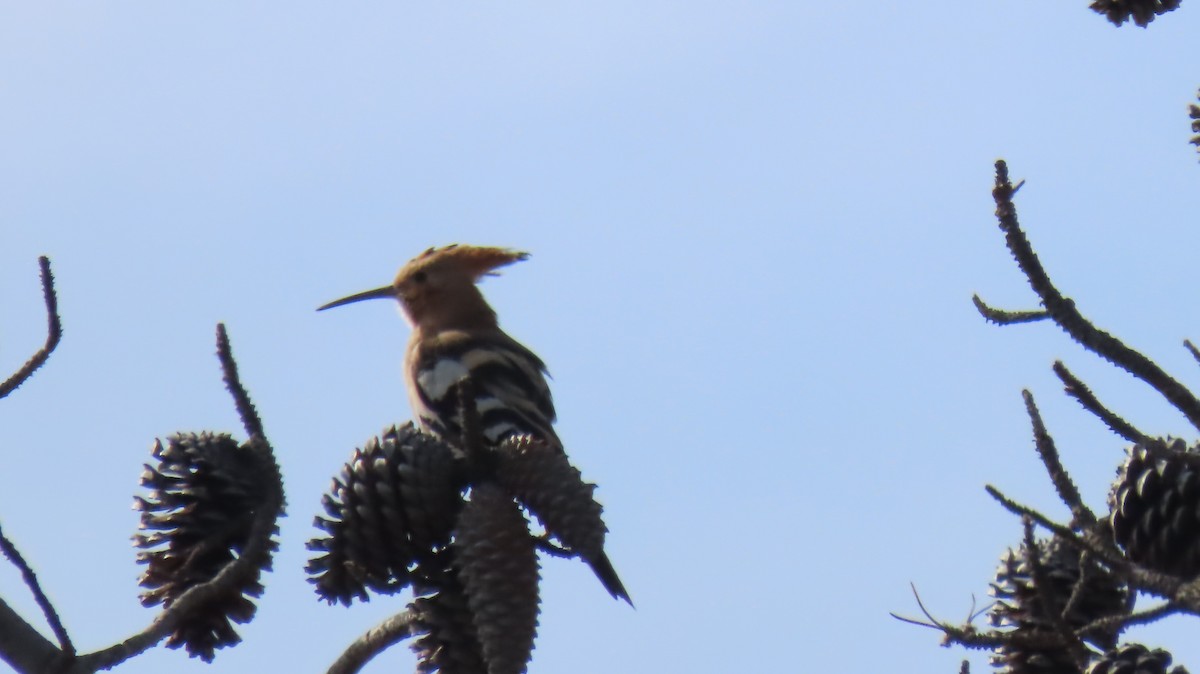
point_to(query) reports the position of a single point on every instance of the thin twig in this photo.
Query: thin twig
(241, 399)
(966, 636)
(1005, 317)
(1079, 590)
(1045, 593)
(1110, 557)
(53, 332)
(1187, 344)
(1067, 491)
(1080, 392)
(376, 640)
(60, 632)
(1122, 621)
(23, 647)
(544, 544)
(1063, 312)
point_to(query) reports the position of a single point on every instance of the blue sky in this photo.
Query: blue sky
(755, 230)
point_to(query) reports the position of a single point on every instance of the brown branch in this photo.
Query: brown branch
(1187, 344)
(1083, 542)
(1041, 585)
(1005, 317)
(22, 647)
(966, 635)
(1067, 491)
(1087, 569)
(544, 544)
(376, 640)
(60, 632)
(53, 333)
(229, 369)
(1120, 622)
(1080, 392)
(1064, 314)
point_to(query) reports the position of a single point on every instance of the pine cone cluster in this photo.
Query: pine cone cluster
(204, 492)
(1134, 659)
(1141, 11)
(397, 516)
(1030, 611)
(1154, 507)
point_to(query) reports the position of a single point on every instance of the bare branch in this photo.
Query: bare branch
(1187, 344)
(53, 333)
(60, 632)
(544, 544)
(250, 419)
(376, 640)
(22, 647)
(1080, 392)
(1064, 314)
(1041, 585)
(966, 635)
(1046, 523)
(1004, 317)
(1067, 491)
(1128, 620)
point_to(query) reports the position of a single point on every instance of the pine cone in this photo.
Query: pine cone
(1021, 606)
(1134, 659)
(498, 567)
(389, 513)
(545, 482)
(204, 493)
(1012, 660)
(1154, 504)
(1194, 115)
(1141, 11)
(449, 642)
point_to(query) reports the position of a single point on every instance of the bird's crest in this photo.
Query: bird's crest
(476, 261)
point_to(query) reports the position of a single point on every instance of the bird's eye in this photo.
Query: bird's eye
(419, 277)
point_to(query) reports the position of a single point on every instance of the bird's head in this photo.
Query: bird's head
(437, 288)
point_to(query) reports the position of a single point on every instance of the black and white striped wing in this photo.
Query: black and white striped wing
(511, 393)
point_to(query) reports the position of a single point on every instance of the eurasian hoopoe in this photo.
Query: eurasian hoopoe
(456, 335)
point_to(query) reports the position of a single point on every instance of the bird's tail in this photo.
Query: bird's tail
(608, 577)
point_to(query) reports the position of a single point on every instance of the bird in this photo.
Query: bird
(456, 335)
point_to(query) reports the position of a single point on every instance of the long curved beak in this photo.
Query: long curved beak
(378, 293)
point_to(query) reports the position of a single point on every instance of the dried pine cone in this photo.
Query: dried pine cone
(389, 513)
(1194, 114)
(1141, 11)
(1134, 659)
(1012, 660)
(204, 493)
(544, 481)
(449, 642)
(498, 567)
(1154, 504)
(1022, 606)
